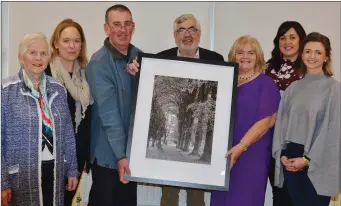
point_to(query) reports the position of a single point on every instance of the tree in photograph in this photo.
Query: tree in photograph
(198, 113)
(207, 153)
(186, 100)
(157, 125)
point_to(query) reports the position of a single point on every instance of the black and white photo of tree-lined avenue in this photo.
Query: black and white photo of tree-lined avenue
(182, 120)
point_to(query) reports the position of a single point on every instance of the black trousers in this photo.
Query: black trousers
(302, 191)
(47, 170)
(280, 196)
(298, 184)
(82, 152)
(107, 190)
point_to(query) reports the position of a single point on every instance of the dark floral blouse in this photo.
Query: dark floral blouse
(287, 74)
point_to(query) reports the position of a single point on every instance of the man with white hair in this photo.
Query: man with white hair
(187, 34)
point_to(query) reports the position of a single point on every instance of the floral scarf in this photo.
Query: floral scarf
(41, 95)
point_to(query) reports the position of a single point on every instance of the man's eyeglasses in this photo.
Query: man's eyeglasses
(127, 25)
(191, 30)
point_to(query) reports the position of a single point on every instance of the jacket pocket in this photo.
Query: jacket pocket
(13, 175)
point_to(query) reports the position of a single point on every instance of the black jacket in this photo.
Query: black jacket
(203, 53)
(83, 134)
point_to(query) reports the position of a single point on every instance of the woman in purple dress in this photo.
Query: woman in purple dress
(257, 103)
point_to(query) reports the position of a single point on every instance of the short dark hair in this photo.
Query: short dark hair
(317, 37)
(276, 57)
(116, 7)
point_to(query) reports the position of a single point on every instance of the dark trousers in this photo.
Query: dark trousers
(47, 170)
(82, 151)
(302, 191)
(298, 184)
(107, 190)
(280, 196)
(170, 196)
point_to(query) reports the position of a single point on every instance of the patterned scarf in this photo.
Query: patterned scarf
(47, 133)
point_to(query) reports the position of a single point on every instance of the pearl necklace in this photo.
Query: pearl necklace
(247, 77)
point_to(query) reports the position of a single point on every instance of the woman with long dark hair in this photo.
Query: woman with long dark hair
(283, 68)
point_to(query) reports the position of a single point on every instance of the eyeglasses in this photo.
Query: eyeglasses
(118, 25)
(190, 30)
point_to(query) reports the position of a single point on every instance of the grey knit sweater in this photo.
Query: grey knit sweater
(309, 114)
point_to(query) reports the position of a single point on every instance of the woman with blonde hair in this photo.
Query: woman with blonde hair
(37, 138)
(256, 106)
(68, 62)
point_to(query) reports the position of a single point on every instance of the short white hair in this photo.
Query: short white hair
(28, 38)
(183, 18)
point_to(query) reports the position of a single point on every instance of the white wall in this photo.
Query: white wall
(4, 39)
(153, 32)
(154, 23)
(262, 19)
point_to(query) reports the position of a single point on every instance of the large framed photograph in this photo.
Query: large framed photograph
(182, 122)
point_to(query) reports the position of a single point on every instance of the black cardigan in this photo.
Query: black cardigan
(83, 134)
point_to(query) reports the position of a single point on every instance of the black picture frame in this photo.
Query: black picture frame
(183, 70)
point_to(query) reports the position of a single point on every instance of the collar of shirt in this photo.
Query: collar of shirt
(197, 56)
(115, 53)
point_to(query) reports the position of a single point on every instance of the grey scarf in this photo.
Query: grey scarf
(77, 86)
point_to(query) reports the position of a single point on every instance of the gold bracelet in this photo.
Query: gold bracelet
(243, 146)
(306, 161)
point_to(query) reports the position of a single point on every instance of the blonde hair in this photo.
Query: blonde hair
(82, 59)
(253, 42)
(183, 18)
(28, 38)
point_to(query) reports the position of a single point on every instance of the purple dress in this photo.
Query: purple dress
(256, 100)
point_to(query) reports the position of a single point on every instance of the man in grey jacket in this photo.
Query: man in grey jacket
(112, 88)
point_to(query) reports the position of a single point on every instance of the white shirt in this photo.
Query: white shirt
(197, 56)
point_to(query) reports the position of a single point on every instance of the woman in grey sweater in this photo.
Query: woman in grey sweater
(306, 142)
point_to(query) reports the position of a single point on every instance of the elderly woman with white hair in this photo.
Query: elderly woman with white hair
(37, 137)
